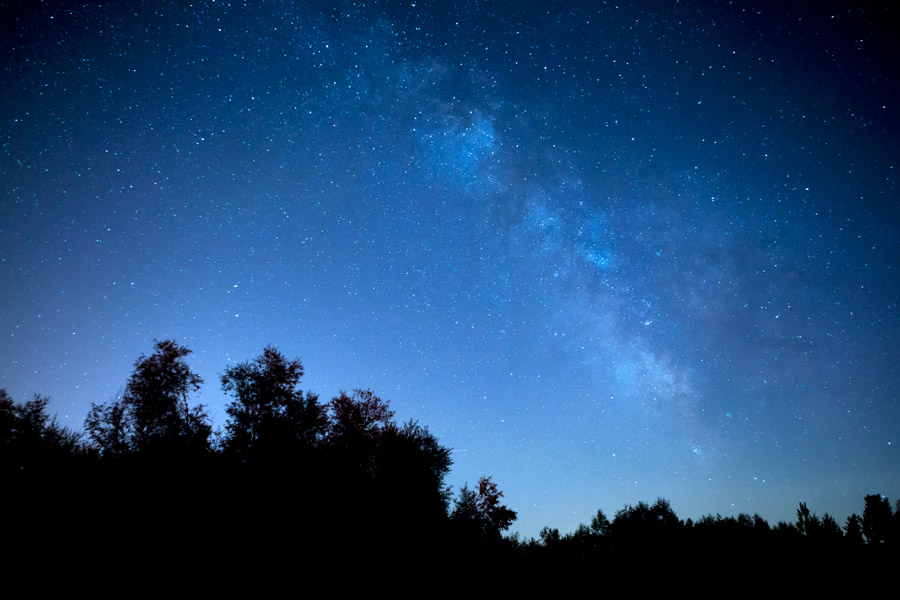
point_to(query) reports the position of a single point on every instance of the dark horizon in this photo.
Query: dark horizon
(293, 481)
(48, 461)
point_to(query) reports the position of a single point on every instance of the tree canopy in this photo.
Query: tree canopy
(153, 416)
(480, 513)
(270, 414)
(343, 475)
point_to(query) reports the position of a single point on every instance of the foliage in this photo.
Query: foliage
(599, 523)
(108, 428)
(28, 435)
(153, 416)
(876, 519)
(549, 536)
(497, 516)
(361, 415)
(38, 459)
(346, 475)
(413, 464)
(270, 414)
(30, 426)
(481, 515)
(853, 530)
(643, 520)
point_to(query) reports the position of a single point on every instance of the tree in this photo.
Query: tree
(481, 515)
(355, 427)
(549, 537)
(27, 429)
(411, 467)
(39, 464)
(153, 416)
(108, 428)
(30, 440)
(270, 414)
(876, 519)
(663, 515)
(496, 516)
(634, 528)
(853, 529)
(40, 467)
(808, 524)
(379, 480)
(361, 415)
(644, 520)
(599, 523)
(830, 531)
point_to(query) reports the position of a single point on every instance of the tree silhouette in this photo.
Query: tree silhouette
(34, 449)
(465, 514)
(41, 464)
(853, 530)
(481, 515)
(153, 416)
(270, 415)
(876, 519)
(108, 428)
(361, 415)
(345, 479)
(644, 520)
(635, 528)
(496, 516)
(412, 465)
(26, 430)
(355, 426)
(549, 537)
(824, 529)
(807, 523)
(599, 523)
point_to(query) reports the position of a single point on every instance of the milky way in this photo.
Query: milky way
(605, 252)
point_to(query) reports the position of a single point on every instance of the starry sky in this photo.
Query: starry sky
(605, 251)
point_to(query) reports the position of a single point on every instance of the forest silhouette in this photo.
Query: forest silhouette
(149, 482)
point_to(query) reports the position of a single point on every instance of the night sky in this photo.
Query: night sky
(606, 252)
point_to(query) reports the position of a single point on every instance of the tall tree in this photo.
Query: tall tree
(270, 414)
(108, 428)
(412, 465)
(40, 467)
(497, 516)
(808, 523)
(153, 416)
(599, 523)
(876, 519)
(384, 481)
(853, 529)
(356, 424)
(481, 514)
(34, 448)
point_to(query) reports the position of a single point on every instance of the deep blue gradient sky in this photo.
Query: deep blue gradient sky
(606, 252)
